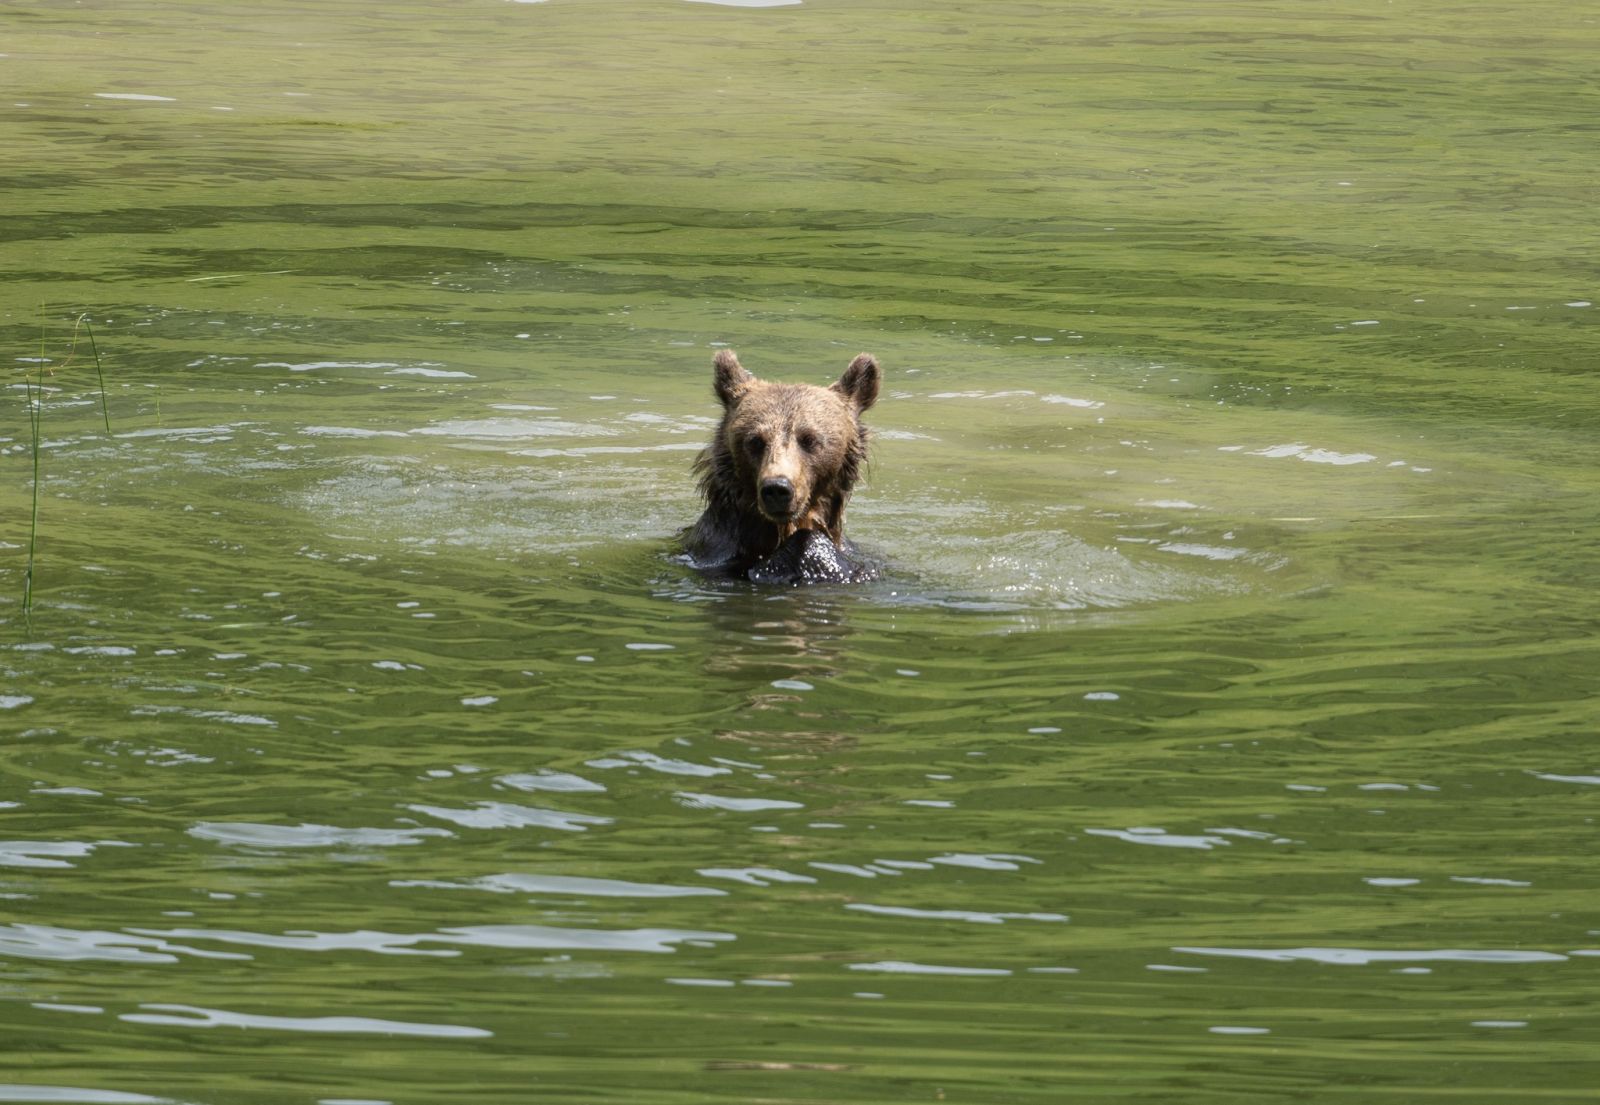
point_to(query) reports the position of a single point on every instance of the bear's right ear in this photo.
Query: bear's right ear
(731, 378)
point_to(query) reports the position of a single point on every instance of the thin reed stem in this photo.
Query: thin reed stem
(34, 392)
(35, 414)
(105, 405)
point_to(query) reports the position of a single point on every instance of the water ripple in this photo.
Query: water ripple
(552, 780)
(1363, 956)
(1161, 838)
(976, 916)
(535, 937)
(754, 876)
(565, 885)
(901, 967)
(74, 1095)
(29, 941)
(509, 815)
(42, 853)
(250, 834)
(198, 1017)
(734, 805)
(663, 764)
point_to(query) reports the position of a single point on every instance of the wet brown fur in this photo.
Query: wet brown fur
(811, 436)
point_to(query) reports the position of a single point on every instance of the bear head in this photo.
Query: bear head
(788, 454)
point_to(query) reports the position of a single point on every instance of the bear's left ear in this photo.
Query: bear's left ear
(859, 384)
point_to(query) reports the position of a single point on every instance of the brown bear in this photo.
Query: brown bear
(778, 473)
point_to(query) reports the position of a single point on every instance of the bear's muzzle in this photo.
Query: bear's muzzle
(777, 498)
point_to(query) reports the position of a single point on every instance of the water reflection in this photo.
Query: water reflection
(189, 1016)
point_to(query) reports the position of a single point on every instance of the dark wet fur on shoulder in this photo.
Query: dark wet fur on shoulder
(778, 474)
(811, 557)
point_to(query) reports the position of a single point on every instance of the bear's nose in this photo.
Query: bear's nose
(777, 495)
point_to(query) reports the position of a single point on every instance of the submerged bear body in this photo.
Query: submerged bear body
(778, 473)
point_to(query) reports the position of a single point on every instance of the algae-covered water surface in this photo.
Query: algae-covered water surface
(1223, 728)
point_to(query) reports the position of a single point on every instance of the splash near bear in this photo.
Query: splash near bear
(778, 473)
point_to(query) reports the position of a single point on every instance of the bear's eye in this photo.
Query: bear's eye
(808, 441)
(756, 445)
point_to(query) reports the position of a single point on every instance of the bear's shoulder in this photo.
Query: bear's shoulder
(810, 557)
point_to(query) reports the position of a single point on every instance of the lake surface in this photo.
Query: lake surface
(1225, 729)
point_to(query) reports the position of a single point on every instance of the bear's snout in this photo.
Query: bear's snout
(777, 497)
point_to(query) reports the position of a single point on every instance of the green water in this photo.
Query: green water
(1224, 732)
